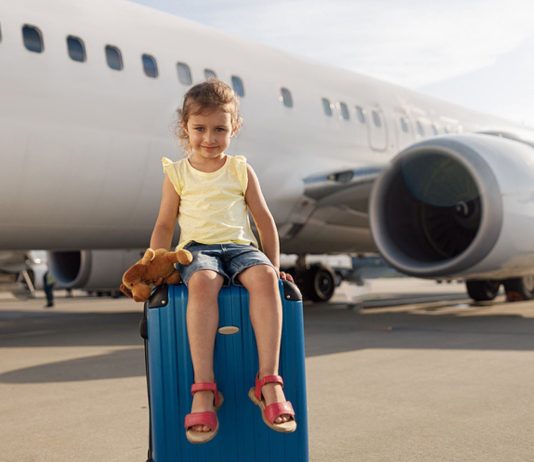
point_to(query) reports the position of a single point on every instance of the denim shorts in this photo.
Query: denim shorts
(226, 259)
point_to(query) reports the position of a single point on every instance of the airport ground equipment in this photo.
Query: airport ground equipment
(242, 436)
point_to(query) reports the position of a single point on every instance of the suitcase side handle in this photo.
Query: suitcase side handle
(291, 291)
(159, 297)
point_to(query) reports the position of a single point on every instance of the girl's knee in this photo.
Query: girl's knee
(205, 281)
(259, 277)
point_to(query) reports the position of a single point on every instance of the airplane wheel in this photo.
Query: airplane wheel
(482, 291)
(519, 289)
(319, 283)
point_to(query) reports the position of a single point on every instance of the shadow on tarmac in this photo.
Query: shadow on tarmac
(330, 328)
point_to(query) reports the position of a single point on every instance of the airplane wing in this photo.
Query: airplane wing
(333, 200)
(346, 189)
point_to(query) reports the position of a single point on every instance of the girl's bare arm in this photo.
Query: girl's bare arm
(262, 217)
(166, 221)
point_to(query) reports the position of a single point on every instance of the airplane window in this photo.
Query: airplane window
(286, 97)
(404, 125)
(76, 49)
(327, 107)
(237, 84)
(420, 128)
(209, 74)
(150, 66)
(114, 58)
(33, 40)
(360, 114)
(344, 111)
(376, 119)
(184, 74)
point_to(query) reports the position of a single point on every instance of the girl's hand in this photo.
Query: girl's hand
(286, 277)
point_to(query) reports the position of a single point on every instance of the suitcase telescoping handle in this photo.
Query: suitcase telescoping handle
(143, 330)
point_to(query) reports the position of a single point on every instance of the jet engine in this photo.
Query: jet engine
(458, 206)
(91, 269)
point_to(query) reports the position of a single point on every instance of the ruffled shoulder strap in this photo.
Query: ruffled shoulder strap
(238, 164)
(171, 169)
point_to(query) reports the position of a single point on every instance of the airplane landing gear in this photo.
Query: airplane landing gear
(482, 291)
(519, 289)
(317, 282)
(516, 289)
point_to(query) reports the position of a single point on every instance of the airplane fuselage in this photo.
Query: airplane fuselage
(81, 142)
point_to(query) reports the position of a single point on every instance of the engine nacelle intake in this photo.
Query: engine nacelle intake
(91, 269)
(457, 206)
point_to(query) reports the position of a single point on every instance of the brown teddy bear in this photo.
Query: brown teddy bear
(156, 267)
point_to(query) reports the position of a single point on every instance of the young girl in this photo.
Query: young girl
(210, 192)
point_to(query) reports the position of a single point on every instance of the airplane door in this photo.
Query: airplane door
(378, 137)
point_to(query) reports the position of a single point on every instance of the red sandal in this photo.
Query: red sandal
(271, 412)
(208, 418)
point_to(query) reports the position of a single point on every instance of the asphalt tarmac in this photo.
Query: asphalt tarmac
(396, 371)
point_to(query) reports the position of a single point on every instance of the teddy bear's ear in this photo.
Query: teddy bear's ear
(182, 256)
(148, 256)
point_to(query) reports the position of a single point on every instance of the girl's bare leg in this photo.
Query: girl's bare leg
(202, 323)
(261, 281)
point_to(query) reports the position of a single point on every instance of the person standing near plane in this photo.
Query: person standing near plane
(48, 285)
(211, 193)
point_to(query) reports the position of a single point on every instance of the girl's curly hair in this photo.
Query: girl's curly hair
(204, 97)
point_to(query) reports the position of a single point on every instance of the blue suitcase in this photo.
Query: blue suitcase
(242, 436)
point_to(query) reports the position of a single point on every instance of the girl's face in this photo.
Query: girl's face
(209, 133)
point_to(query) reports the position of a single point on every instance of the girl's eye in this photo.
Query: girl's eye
(221, 129)
(199, 129)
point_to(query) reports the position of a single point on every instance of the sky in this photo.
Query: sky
(477, 53)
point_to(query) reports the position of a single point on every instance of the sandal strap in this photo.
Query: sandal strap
(265, 380)
(208, 418)
(207, 386)
(274, 410)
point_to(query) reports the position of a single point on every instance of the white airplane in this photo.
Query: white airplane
(348, 163)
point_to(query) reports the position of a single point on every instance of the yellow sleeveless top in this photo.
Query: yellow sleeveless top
(212, 204)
